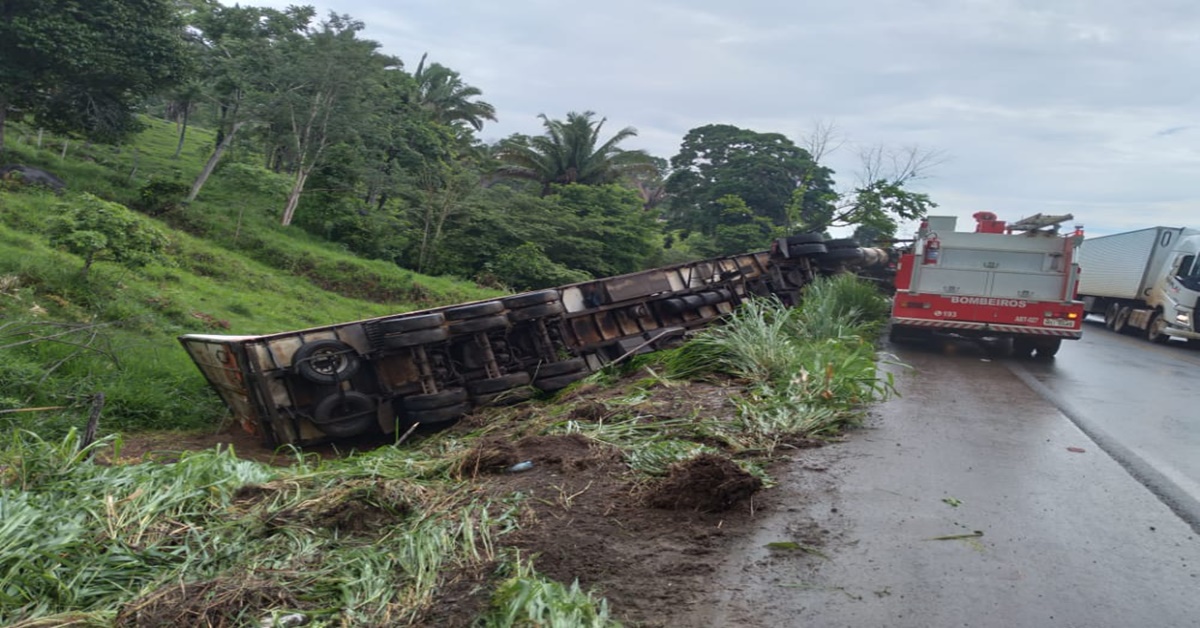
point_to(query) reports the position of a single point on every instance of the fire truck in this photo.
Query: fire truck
(1002, 282)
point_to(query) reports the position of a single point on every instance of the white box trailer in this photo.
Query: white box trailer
(1145, 281)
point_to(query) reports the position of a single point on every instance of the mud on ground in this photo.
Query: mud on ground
(651, 548)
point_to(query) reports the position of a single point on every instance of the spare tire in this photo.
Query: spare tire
(326, 361)
(345, 414)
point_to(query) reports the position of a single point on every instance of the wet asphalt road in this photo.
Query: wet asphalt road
(975, 500)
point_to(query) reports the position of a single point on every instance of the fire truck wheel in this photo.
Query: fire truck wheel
(448, 397)
(414, 338)
(1023, 347)
(326, 361)
(562, 367)
(1155, 329)
(1121, 320)
(437, 415)
(841, 243)
(551, 384)
(535, 311)
(345, 414)
(800, 250)
(476, 325)
(805, 238)
(402, 324)
(1110, 315)
(529, 299)
(497, 384)
(1048, 348)
(504, 397)
(474, 310)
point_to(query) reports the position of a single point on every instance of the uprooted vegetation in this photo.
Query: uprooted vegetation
(610, 502)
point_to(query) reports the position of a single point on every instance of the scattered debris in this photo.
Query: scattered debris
(957, 537)
(1076, 450)
(952, 501)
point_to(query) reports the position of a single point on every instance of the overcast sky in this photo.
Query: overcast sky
(1087, 107)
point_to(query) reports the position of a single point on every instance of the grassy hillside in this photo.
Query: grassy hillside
(229, 268)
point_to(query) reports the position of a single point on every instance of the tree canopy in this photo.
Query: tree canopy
(61, 61)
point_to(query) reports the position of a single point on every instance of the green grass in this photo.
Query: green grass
(230, 269)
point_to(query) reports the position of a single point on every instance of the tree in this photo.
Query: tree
(881, 198)
(601, 229)
(61, 62)
(765, 170)
(570, 151)
(442, 93)
(95, 230)
(741, 230)
(238, 43)
(320, 84)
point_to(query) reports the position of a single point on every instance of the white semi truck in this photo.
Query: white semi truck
(1145, 282)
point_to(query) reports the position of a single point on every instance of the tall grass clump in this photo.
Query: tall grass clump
(528, 600)
(810, 369)
(211, 539)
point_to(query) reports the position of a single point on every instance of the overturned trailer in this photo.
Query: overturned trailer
(430, 367)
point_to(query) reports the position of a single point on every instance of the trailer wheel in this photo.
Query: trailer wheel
(562, 367)
(552, 384)
(839, 254)
(476, 325)
(1049, 347)
(414, 338)
(800, 250)
(535, 311)
(345, 414)
(497, 384)
(474, 310)
(448, 397)
(403, 324)
(326, 361)
(805, 238)
(1155, 328)
(1023, 347)
(529, 299)
(841, 243)
(504, 397)
(437, 415)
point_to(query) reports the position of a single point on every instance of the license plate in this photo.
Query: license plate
(1058, 322)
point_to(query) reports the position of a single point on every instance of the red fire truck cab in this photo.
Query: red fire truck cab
(1002, 281)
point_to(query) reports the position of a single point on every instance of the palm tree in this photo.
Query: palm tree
(570, 152)
(442, 93)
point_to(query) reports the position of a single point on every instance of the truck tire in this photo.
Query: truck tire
(1048, 348)
(841, 243)
(800, 250)
(403, 324)
(840, 254)
(1023, 347)
(345, 414)
(503, 397)
(535, 311)
(481, 324)
(448, 397)
(1154, 329)
(414, 338)
(562, 367)
(497, 384)
(326, 361)
(530, 299)
(437, 415)
(474, 310)
(1110, 315)
(1121, 321)
(805, 238)
(552, 384)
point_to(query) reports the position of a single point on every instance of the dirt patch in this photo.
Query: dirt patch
(653, 549)
(708, 483)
